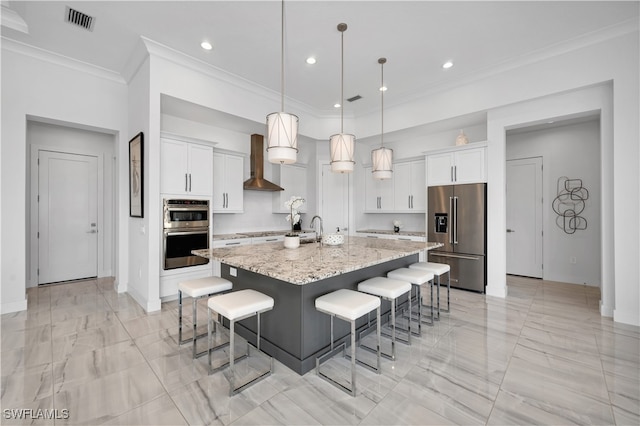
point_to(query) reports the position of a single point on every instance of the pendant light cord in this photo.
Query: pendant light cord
(382, 61)
(342, 28)
(282, 57)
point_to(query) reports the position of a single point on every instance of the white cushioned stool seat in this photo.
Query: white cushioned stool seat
(385, 287)
(204, 286)
(236, 306)
(240, 303)
(414, 276)
(197, 289)
(438, 269)
(389, 289)
(348, 304)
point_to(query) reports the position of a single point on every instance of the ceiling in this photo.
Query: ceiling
(416, 37)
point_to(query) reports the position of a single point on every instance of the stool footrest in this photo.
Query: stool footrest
(239, 388)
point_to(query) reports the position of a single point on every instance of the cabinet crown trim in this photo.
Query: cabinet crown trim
(457, 148)
(181, 138)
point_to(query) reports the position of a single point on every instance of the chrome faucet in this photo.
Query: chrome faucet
(318, 236)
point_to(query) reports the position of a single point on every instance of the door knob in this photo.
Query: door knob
(510, 230)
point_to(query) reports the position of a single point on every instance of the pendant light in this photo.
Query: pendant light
(342, 146)
(382, 158)
(282, 128)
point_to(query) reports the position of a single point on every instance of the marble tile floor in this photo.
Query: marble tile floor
(84, 354)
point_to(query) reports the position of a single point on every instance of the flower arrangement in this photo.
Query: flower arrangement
(293, 204)
(397, 224)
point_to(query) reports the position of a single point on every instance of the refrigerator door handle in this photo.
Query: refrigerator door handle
(455, 221)
(456, 256)
(453, 218)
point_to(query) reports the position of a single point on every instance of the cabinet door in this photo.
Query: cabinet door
(174, 167)
(402, 186)
(470, 166)
(200, 170)
(378, 194)
(219, 199)
(418, 187)
(440, 169)
(234, 177)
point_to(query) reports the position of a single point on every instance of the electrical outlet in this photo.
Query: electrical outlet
(572, 260)
(233, 272)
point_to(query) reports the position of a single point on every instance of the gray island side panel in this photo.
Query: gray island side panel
(294, 332)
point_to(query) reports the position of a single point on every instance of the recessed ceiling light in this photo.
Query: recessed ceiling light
(206, 45)
(336, 105)
(383, 89)
(447, 65)
(311, 60)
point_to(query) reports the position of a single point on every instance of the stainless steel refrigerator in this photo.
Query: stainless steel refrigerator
(457, 218)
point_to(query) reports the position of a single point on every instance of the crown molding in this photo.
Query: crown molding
(11, 19)
(61, 60)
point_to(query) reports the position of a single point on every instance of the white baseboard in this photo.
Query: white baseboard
(7, 308)
(626, 317)
(147, 305)
(605, 310)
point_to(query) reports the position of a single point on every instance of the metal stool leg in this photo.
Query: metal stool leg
(195, 323)
(180, 341)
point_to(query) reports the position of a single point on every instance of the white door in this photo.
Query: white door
(334, 200)
(524, 217)
(67, 216)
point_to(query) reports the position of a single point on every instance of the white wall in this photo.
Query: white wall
(572, 151)
(79, 141)
(36, 84)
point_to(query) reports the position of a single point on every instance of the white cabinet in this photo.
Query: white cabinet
(378, 194)
(410, 189)
(293, 178)
(269, 239)
(186, 168)
(457, 166)
(228, 179)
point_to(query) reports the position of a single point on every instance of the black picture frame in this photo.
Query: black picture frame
(136, 176)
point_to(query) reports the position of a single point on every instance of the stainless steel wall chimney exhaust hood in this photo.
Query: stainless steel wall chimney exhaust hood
(257, 182)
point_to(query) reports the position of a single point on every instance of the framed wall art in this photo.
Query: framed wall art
(136, 176)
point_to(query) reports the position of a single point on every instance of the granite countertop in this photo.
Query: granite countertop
(255, 234)
(313, 261)
(391, 232)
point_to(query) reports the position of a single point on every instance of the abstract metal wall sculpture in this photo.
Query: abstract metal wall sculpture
(569, 205)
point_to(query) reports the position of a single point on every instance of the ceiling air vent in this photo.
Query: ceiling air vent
(354, 98)
(81, 19)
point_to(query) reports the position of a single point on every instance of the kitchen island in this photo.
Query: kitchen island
(294, 332)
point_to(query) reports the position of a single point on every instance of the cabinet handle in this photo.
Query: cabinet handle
(189, 182)
(223, 200)
(226, 203)
(455, 172)
(452, 174)
(409, 201)
(186, 183)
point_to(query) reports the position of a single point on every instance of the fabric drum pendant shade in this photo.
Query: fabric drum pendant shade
(282, 138)
(342, 148)
(382, 160)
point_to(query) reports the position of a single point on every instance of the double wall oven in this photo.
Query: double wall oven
(186, 228)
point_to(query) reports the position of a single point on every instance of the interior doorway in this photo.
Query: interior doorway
(334, 200)
(67, 216)
(524, 217)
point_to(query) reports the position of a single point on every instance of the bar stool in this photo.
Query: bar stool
(348, 305)
(236, 306)
(438, 270)
(417, 278)
(389, 289)
(197, 289)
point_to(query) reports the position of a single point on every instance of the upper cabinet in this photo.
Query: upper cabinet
(186, 168)
(228, 179)
(378, 194)
(409, 183)
(404, 192)
(465, 164)
(293, 178)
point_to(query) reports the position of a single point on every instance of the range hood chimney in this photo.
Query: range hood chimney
(257, 182)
